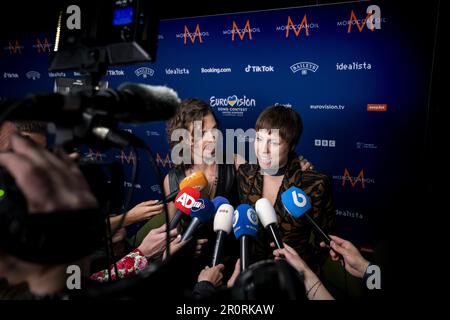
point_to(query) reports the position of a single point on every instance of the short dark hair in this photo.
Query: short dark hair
(287, 120)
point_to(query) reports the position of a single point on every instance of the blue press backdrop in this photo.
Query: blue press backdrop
(349, 73)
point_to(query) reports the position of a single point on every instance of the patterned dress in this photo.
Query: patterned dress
(296, 232)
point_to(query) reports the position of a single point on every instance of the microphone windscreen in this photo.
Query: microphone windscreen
(186, 198)
(266, 212)
(245, 221)
(196, 180)
(295, 201)
(223, 220)
(202, 209)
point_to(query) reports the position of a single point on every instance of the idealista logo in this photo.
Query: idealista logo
(144, 72)
(177, 71)
(359, 179)
(259, 69)
(42, 46)
(372, 20)
(192, 36)
(349, 214)
(14, 47)
(304, 67)
(33, 75)
(377, 107)
(241, 32)
(56, 74)
(232, 101)
(293, 25)
(353, 66)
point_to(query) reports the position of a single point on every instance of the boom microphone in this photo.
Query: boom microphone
(131, 102)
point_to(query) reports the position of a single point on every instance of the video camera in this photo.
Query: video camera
(90, 37)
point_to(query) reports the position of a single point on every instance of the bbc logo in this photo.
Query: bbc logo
(325, 143)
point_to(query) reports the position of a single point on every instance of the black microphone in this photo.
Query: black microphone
(268, 217)
(131, 102)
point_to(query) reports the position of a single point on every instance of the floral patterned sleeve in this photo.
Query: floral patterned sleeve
(129, 265)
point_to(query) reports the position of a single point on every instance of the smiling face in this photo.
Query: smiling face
(203, 139)
(278, 130)
(271, 150)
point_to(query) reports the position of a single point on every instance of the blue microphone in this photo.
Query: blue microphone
(296, 202)
(201, 211)
(245, 226)
(218, 201)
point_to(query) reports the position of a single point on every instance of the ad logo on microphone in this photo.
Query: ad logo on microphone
(186, 200)
(200, 204)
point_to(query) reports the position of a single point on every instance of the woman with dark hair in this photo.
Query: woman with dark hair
(278, 130)
(196, 123)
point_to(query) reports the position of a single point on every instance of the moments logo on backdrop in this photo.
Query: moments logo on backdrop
(297, 28)
(196, 35)
(42, 46)
(371, 19)
(242, 33)
(354, 181)
(14, 47)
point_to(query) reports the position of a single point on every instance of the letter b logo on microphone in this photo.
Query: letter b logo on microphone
(295, 201)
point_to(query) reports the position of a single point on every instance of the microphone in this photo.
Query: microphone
(297, 203)
(201, 211)
(131, 102)
(218, 201)
(196, 180)
(223, 222)
(245, 225)
(268, 217)
(183, 202)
